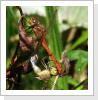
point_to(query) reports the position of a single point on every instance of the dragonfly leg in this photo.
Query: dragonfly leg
(44, 64)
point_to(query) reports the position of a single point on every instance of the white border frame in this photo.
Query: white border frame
(1, 97)
(3, 47)
(95, 1)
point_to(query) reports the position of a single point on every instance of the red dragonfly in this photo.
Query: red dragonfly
(28, 49)
(40, 33)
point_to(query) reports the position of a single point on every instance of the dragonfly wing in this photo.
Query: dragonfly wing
(51, 19)
(49, 86)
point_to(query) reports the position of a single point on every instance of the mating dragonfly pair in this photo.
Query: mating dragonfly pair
(27, 48)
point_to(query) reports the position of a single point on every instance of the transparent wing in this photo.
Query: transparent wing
(51, 20)
(43, 85)
(49, 86)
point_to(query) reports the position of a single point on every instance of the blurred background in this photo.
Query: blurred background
(72, 29)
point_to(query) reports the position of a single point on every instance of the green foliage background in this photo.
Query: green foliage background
(70, 33)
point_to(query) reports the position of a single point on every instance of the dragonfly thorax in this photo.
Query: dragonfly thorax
(39, 31)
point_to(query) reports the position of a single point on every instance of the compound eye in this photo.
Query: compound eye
(33, 21)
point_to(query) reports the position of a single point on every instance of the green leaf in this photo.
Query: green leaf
(81, 63)
(72, 81)
(81, 56)
(77, 54)
(82, 39)
(81, 85)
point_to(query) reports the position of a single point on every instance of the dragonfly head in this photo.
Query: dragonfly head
(33, 21)
(53, 71)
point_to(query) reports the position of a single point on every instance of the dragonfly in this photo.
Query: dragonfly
(44, 75)
(27, 48)
(40, 34)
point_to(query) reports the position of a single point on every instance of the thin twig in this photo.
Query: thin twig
(22, 14)
(70, 38)
(53, 86)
